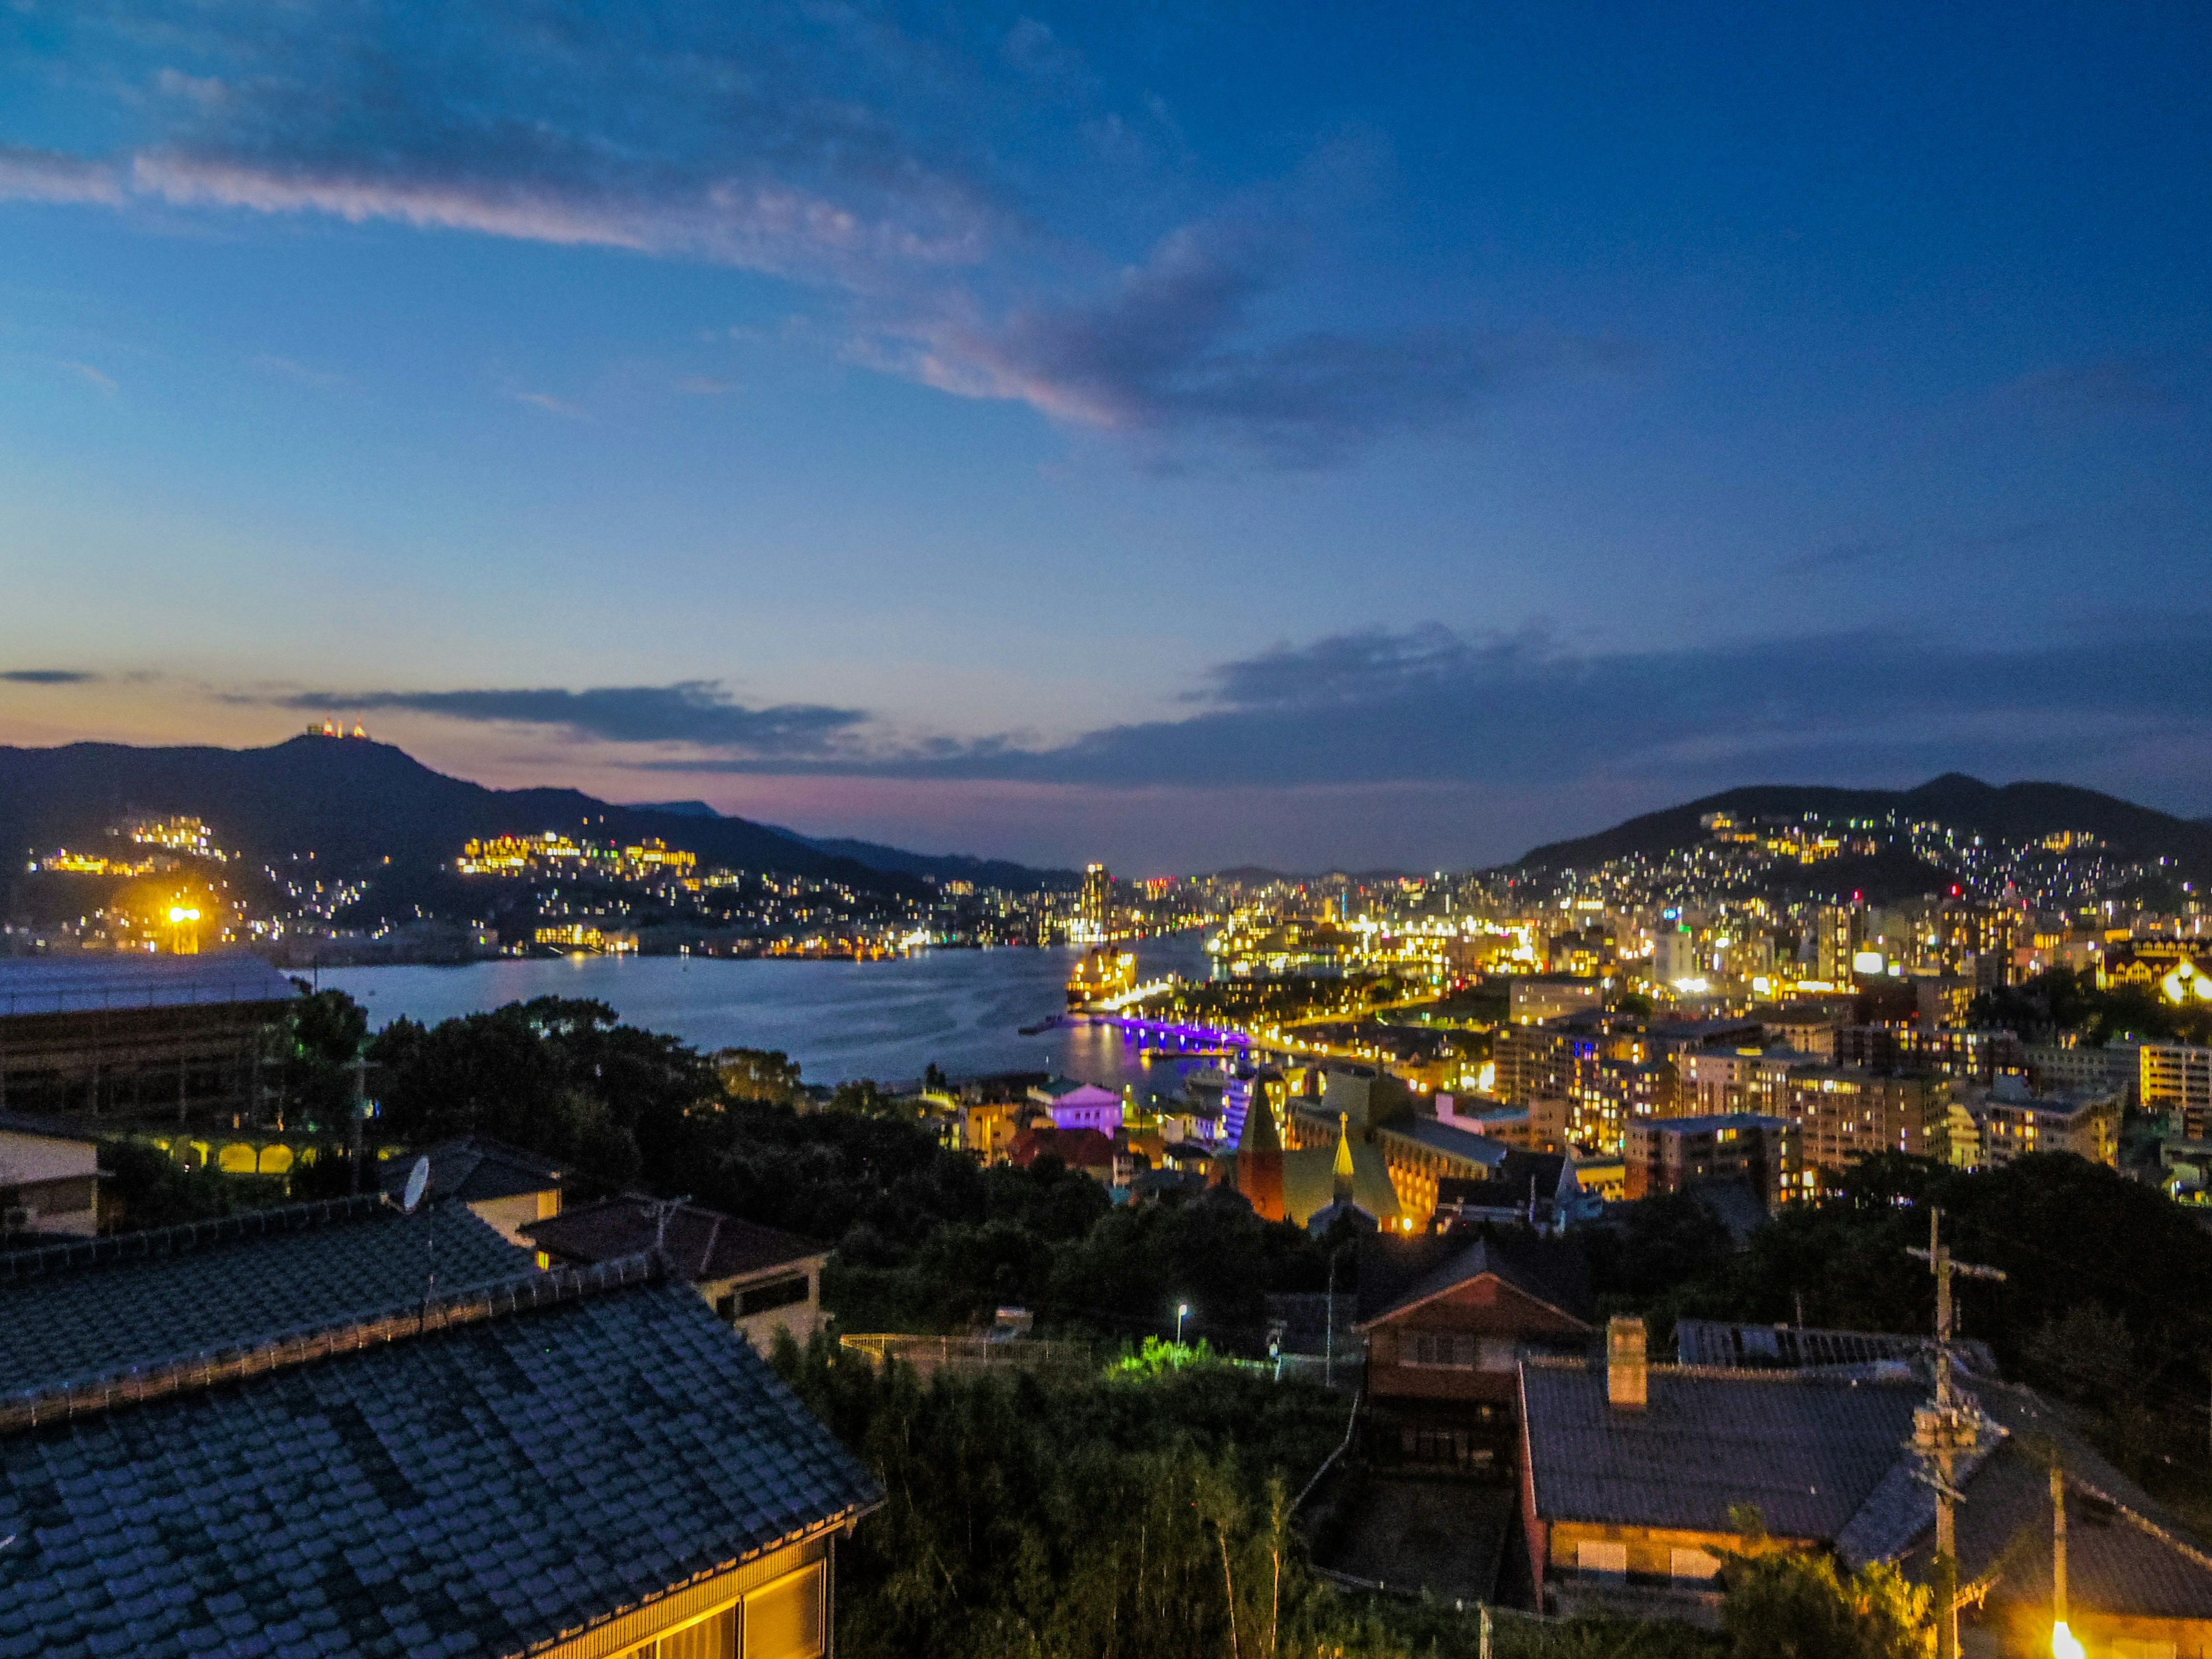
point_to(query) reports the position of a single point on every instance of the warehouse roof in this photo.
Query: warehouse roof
(118, 982)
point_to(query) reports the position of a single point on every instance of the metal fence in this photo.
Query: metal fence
(929, 1355)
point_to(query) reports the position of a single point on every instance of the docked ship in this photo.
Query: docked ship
(1104, 972)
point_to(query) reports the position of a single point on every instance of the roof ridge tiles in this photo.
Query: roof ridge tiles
(1801, 1375)
(185, 1236)
(287, 1350)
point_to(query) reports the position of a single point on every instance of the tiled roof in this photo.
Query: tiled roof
(479, 1491)
(2118, 1560)
(1079, 1149)
(701, 1243)
(473, 1169)
(1395, 1275)
(1806, 1449)
(92, 983)
(1462, 1144)
(76, 1311)
(2124, 1553)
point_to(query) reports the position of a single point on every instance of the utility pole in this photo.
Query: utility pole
(358, 1069)
(2061, 1635)
(1942, 1430)
(1328, 1333)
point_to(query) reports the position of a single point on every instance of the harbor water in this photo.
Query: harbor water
(962, 1010)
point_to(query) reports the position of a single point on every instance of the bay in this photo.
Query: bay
(959, 1010)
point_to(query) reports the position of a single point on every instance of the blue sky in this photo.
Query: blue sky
(1178, 435)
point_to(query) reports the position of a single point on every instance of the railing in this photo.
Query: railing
(930, 1354)
(126, 993)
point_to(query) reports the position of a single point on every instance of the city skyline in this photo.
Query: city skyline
(1003, 434)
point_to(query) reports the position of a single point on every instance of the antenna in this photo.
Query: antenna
(661, 1210)
(418, 1183)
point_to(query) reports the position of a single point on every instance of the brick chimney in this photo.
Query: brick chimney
(1627, 1378)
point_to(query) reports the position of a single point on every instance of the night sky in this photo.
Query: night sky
(1178, 435)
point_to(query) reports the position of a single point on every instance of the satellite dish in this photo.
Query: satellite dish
(418, 1182)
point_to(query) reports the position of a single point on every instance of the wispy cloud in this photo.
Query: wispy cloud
(835, 149)
(40, 175)
(103, 384)
(552, 405)
(301, 374)
(699, 714)
(46, 676)
(1943, 546)
(1431, 706)
(1171, 346)
(2135, 383)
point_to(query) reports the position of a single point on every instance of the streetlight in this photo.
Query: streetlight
(1182, 1311)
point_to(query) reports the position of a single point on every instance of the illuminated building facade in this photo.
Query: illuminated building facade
(2014, 1125)
(2175, 1081)
(1843, 1113)
(1665, 1155)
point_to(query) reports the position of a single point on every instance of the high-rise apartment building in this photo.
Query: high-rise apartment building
(1835, 939)
(2176, 1083)
(1095, 904)
(1843, 1113)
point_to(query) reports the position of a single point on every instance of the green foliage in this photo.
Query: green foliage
(1122, 1518)
(863, 1098)
(767, 1076)
(2060, 1000)
(556, 1076)
(142, 1186)
(1157, 1355)
(1389, 1627)
(925, 1240)
(1082, 1521)
(1782, 1605)
(1669, 1239)
(328, 1031)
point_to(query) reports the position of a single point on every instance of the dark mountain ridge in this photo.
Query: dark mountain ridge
(352, 803)
(2013, 811)
(932, 867)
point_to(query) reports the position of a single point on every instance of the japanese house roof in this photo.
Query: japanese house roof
(699, 1243)
(474, 1169)
(1808, 1449)
(519, 1460)
(97, 1306)
(1396, 1275)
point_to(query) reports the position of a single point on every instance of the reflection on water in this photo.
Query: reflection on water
(959, 1009)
